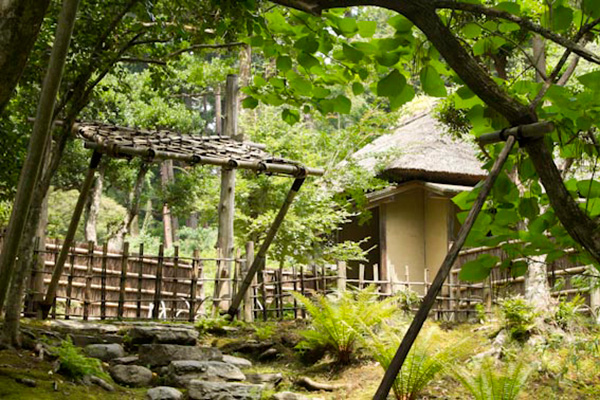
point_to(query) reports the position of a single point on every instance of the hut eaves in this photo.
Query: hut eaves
(422, 150)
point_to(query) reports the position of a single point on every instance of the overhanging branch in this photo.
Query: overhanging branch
(522, 22)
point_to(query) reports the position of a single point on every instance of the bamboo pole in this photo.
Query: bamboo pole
(361, 276)
(302, 289)
(341, 280)
(429, 299)
(259, 261)
(88, 281)
(193, 286)
(140, 282)
(103, 282)
(295, 288)
(38, 143)
(263, 292)
(69, 286)
(158, 282)
(124, 265)
(175, 282)
(62, 257)
(201, 289)
(248, 300)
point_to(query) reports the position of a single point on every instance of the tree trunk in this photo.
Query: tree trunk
(218, 116)
(37, 146)
(20, 22)
(134, 207)
(93, 208)
(166, 212)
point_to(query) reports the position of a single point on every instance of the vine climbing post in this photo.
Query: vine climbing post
(510, 135)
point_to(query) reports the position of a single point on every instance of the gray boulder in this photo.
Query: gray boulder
(165, 335)
(203, 390)
(126, 360)
(163, 393)
(162, 354)
(131, 375)
(237, 361)
(104, 352)
(182, 372)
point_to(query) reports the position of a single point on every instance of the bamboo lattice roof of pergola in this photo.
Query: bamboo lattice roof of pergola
(157, 145)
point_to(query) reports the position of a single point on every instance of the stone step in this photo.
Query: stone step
(180, 373)
(204, 390)
(156, 355)
(164, 335)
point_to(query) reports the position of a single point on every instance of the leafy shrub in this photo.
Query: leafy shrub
(420, 367)
(74, 364)
(567, 312)
(407, 299)
(265, 331)
(519, 317)
(493, 383)
(340, 324)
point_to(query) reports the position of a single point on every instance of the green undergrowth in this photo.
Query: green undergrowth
(22, 364)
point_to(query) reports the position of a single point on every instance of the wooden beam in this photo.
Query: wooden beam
(530, 131)
(430, 298)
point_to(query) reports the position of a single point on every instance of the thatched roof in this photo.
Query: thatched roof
(156, 145)
(422, 150)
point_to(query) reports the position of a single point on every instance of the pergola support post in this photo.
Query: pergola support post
(259, 261)
(64, 251)
(429, 299)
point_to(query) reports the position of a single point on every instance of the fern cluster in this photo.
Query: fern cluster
(493, 383)
(339, 325)
(420, 367)
(74, 364)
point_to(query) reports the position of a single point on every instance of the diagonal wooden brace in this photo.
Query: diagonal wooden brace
(259, 261)
(64, 251)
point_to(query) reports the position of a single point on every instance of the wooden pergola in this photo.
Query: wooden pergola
(159, 145)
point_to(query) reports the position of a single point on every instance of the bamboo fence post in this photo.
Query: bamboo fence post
(218, 283)
(248, 298)
(140, 282)
(315, 278)
(69, 290)
(124, 265)
(158, 282)
(451, 302)
(193, 286)
(88, 281)
(103, 282)
(302, 290)
(279, 293)
(376, 277)
(341, 280)
(407, 277)
(417, 323)
(295, 288)
(361, 276)
(34, 276)
(175, 281)
(263, 290)
(324, 278)
(201, 289)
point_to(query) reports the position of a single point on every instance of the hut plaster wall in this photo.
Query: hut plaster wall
(436, 233)
(405, 234)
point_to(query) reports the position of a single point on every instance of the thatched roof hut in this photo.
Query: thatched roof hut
(421, 149)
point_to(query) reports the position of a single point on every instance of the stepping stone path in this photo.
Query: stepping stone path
(172, 353)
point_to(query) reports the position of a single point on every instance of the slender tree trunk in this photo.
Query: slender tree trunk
(93, 208)
(133, 209)
(218, 117)
(174, 220)
(37, 146)
(147, 216)
(20, 22)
